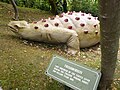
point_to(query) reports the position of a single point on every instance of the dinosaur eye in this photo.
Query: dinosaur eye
(16, 26)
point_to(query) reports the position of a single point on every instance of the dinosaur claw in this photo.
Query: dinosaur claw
(72, 52)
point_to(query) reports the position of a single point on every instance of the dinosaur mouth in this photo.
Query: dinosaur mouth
(15, 30)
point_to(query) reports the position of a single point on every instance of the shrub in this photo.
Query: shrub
(88, 6)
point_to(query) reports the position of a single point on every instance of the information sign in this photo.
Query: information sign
(78, 77)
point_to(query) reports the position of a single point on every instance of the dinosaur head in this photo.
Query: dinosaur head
(17, 26)
(24, 29)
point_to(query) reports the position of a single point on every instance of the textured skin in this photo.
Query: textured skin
(76, 29)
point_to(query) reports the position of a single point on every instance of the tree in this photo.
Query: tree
(64, 6)
(15, 9)
(110, 27)
(58, 6)
(53, 6)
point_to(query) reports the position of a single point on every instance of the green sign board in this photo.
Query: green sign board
(76, 76)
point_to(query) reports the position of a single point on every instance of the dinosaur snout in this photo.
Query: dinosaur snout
(13, 27)
(17, 25)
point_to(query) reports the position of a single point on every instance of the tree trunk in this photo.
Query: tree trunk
(53, 7)
(64, 6)
(110, 27)
(16, 10)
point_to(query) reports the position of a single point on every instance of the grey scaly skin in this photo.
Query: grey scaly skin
(76, 29)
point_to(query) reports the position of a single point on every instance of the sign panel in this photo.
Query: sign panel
(75, 76)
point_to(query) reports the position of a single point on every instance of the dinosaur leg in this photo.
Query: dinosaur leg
(73, 44)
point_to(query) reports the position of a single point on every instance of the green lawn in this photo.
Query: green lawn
(23, 63)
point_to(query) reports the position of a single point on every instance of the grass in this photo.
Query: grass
(23, 63)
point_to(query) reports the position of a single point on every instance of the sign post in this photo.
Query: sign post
(75, 76)
(66, 87)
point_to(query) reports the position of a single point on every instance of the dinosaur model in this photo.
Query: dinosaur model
(75, 29)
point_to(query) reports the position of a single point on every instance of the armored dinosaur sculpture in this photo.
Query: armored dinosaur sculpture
(76, 29)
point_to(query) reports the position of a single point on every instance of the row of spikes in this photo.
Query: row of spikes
(70, 13)
(70, 27)
(66, 20)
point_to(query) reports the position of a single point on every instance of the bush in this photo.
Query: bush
(88, 6)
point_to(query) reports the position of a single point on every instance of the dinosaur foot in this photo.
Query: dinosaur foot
(72, 51)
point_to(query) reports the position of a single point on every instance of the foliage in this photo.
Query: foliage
(39, 4)
(7, 1)
(90, 6)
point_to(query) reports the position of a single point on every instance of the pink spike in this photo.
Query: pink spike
(43, 20)
(34, 22)
(82, 14)
(86, 31)
(82, 24)
(89, 14)
(95, 18)
(61, 15)
(52, 18)
(56, 24)
(77, 18)
(69, 27)
(73, 12)
(57, 16)
(35, 27)
(89, 18)
(96, 32)
(70, 13)
(66, 20)
(46, 25)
